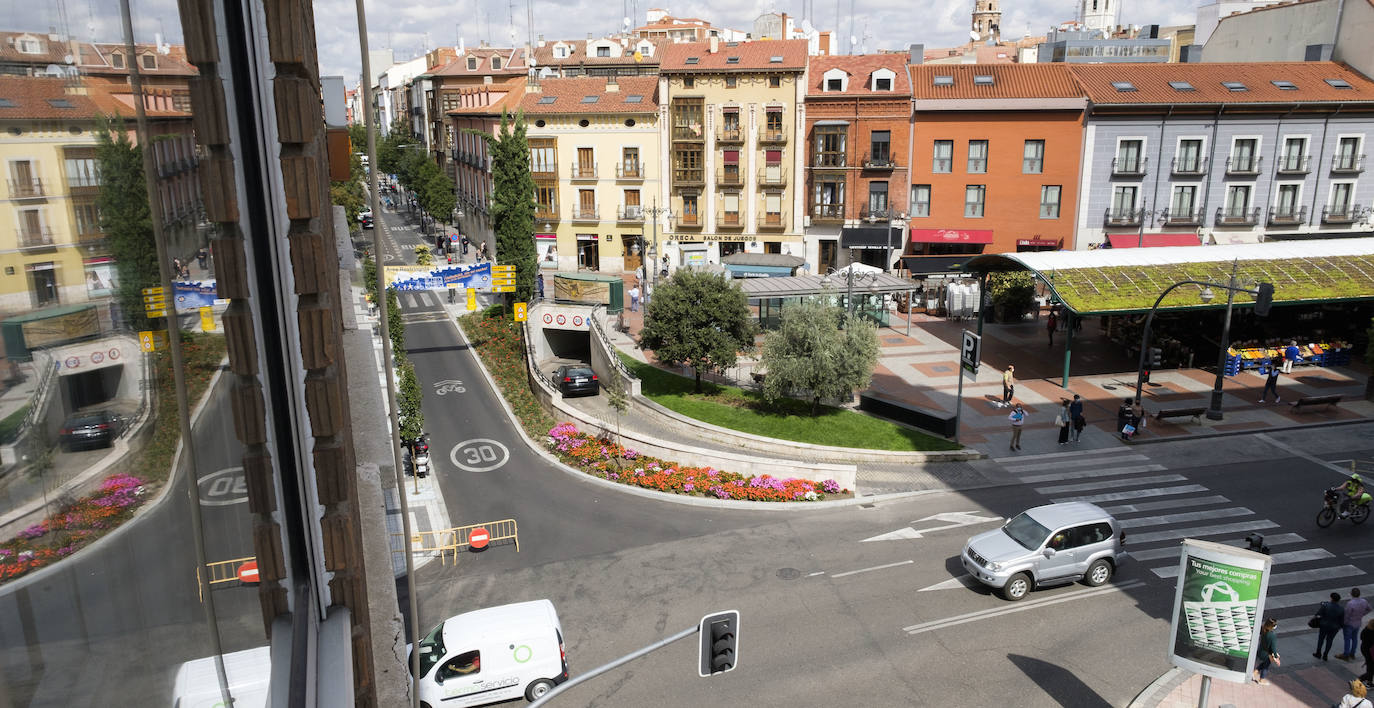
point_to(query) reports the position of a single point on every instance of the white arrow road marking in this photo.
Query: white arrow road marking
(876, 567)
(963, 581)
(1018, 607)
(955, 519)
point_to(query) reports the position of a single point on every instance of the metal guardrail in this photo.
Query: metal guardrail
(616, 363)
(219, 572)
(530, 360)
(451, 540)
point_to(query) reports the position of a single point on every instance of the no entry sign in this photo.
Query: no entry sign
(478, 538)
(248, 572)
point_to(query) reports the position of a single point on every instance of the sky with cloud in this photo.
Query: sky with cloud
(408, 27)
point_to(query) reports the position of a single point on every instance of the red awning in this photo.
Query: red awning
(951, 236)
(1152, 240)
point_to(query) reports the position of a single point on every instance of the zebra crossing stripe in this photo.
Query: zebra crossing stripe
(1185, 517)
(1279, 602)
(1160, 479)
(1081, 474)
(1061, 464)
(1060, 455)
(1171, 534)
(1133, 494)
(1360, 554)
(1120, 509)
(1153, 554)
(1302, 576)
(1306, 554)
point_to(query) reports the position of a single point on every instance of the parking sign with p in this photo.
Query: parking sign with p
(970, 353)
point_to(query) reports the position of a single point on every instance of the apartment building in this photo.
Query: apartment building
(733, 121)
(994, 161)
(858, 131)
(459, 84)
(594, 156)
(1186, 154)
(597, 56)
(472, 110)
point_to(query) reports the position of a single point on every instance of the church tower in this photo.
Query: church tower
(1098, 14)
(987, 19)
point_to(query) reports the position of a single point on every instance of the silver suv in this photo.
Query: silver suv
(1047, 545)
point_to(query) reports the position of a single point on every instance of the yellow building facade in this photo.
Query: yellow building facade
(732, 147)
(594, 156)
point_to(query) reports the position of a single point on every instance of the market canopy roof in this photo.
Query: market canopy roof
(1119, 281)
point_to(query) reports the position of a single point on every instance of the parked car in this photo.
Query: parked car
(367, 220)
(577, 380)
(89, 430)
(1047, 545)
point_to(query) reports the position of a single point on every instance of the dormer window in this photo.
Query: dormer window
(148, 61)
(603, 51)
(30, 45)
(646, 49)
(496, 63)
(117, 60)
(836, 80)
(883, 80)
(834, 84)
(472, 63)
(560, 52)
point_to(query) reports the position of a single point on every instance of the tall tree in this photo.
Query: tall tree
(126, 220)
(818, 352)
(408, 403)
(698, 319)
(512, 209)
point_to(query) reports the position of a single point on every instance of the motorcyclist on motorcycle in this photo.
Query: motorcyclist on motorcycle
(1354, 490)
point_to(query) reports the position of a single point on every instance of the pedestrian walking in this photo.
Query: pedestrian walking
(1079, 423)
(1291, 356)
(648, 292)
(1367, 651)
(1076, 417)
(1355, 610)
(1329, 618)
(634, 298)
(1356, 698)
(1008, 385)
(176, 267)
(1267, 655)
(1125, 419)
(482, 252)
(1138, 417)
(1051, 323)
(203, 257)
(1018, 419)
(1064, 420)
(1271, 380)
(465, 245)
(539, 285)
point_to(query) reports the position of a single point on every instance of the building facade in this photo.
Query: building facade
(858, 130)
(474, 111)
(994, 160)
(1297, 31)
(459, 84)
(594, 158)
(733, 121)
(1184, 154)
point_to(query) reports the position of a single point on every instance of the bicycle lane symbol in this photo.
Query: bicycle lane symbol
(479, 455)
(448, 386)
(223, 488)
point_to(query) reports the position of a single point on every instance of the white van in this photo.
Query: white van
(492, 655)
(249, 673)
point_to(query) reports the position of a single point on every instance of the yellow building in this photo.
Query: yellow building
(48, 217)
(594, 154)
(732, 148)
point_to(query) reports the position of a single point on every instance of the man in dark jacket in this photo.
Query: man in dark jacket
(1330, 618)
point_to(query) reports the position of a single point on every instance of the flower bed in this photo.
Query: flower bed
(498, 340)
(615, 462)
(63, 533)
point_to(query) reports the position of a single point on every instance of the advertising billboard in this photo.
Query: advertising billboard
(1218, 607)
(440, 277)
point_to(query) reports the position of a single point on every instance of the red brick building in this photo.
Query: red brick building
(477, 108)
(995, 160)
(858, 129)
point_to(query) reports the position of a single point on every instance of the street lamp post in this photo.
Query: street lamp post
(895, 223)
(850, 276)
(1152, 214)
(655, 212)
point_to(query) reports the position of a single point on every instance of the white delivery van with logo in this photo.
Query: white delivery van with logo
(492, 655)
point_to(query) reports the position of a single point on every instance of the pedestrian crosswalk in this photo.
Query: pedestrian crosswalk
(1158, 508)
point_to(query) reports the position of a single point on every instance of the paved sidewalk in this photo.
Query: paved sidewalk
(1304, 684)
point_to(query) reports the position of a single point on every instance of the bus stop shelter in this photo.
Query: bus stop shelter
(1128, 281)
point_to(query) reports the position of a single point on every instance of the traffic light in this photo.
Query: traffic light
(1264, 299)
(1255, 542)
(719, 642)
(1156, 357)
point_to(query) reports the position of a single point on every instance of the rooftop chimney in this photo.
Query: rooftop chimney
(916, 54)
(611, 85)
(715, 44)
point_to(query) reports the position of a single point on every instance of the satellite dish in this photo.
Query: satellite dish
(973, 35)
(627, 24)
(69, 59)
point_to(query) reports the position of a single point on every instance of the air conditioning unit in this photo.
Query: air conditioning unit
(635, 211)
(806, 221)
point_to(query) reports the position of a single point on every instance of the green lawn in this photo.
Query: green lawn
(788, 419)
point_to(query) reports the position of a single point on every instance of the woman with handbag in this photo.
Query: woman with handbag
(1328, 620)
(1267, 656)
(1063, 420)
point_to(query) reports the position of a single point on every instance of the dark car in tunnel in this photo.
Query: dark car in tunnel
(577, 380)
(89, 429)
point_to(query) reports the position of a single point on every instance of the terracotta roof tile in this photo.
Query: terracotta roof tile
(121, 102)
(1151, 82)
(860, 68)
(753, 56)
(512, 63)
(23, 97)
(569, 96)
(543, 56)
(96, 60)
(52, 52)
(494, 98)
(1008, 81)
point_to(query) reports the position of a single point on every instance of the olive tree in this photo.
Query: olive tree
(818, 351)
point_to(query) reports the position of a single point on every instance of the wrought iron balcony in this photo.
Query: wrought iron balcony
(831, 212)
(1182, 218)
(1293, 165)
(1236, 217)
(1347, 164)
(34, 238)
(772, 176)
(27, 189)
(688, 177)
(772, 135)
(1341, 214)
(730, 134)
(1130, 168)
(772, 221)
(874, 214)
(689, 221)
(882, 162)
(1122, 217)
(829, 160)
(584, 213)
(729, 220)
(1189, 167)
(1287, 216)
(630, 212)
(1244, 166)
(629, 171)
(582, 172)
(729, 178)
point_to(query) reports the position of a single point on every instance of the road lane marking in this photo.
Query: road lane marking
(1171, 534)
(224, 487)
(1133, 494)
(1059, 455)
(876, 567)
(479, 455)
(1187, 516)
(1019, 607)
(962, 581)
(1170, 504)
(1081, 474)
(1281, 539)
(1158, 479)
(1062, 464)
(812, 575)
(1306, 554)
(957, 519)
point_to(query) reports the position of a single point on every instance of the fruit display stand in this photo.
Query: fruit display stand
(1240, 359)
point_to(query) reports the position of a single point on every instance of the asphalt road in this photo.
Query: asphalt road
(831, 619)
(114, 622)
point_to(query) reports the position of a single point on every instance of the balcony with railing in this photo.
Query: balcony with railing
(729, 220)
(879, 162)
(545, 212)
(27, 189)
(1287, 216)
(730, 134)
(1236, 216)
(772, 176)
(1347, 164)
(772, 135)
(688, 133)
(630, 213)
(34, 238)
(1136, 167)
(82, 184)
(827, 212)
(1293, 165)
(1191, 217)
(772, 221)
(582, 173)
(729, 178)
(1340, 214)
(829, 160)
(1122, 217)
(1188, 166)
(585, 213)
(689, 177)
(689, 221)
(1244, 166)
(870, 213)
(629, 171)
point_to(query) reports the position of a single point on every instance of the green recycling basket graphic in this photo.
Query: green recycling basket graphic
(1220, 619)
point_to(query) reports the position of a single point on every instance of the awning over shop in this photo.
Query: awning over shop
(951, 236)
(871, 237)
(934, 264)
(1153, 240)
